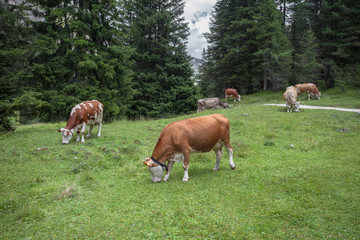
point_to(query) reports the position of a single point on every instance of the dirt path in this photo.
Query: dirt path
(317, 107)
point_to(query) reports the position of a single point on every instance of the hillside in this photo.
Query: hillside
(297, 176)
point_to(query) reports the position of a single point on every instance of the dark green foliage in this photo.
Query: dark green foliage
(256, 45)
(336, 27)
(248, 49)
(15, 35)
(162, 70)
(74, 51)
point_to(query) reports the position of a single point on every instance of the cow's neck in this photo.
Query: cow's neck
(71, 123)
(161, 155)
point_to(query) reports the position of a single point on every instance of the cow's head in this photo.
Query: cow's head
(156, 171)
(66, 135)
(296, 106)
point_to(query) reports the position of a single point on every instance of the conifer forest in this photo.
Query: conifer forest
(131, 54)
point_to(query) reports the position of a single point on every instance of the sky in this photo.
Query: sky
(197, 13)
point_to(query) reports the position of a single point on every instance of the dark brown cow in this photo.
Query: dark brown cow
(179, 139)
(210, 103)
(308, 88)
(231, 92)
(89, 112)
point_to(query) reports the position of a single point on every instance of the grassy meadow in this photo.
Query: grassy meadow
(297, 177)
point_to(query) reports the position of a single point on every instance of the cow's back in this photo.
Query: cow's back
(290, 95)
(201, 133)
(89, 112)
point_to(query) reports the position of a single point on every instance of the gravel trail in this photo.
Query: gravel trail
(317, 107)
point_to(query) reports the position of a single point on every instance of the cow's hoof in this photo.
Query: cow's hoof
(215, 169)
(233, 167)
(185, 179)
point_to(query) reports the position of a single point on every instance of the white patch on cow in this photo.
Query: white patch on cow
(91, 105)
(156, 173)
(178, 157)
(78, 127)
(101, 108)
(186, 173)
(74, 109)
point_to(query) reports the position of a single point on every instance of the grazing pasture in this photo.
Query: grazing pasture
(297, 176)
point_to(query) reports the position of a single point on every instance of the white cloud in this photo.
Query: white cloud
(197, 13)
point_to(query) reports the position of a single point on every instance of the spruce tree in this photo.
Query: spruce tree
(15, 36)
(162, 71)
(79, 54)
(248, 48)
(336, 27)
(273, 47)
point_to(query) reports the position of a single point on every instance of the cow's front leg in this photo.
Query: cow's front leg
(89, 133)
(167, 175)
(83, 132)
(186, 165)
(309, 96)
(78, 136)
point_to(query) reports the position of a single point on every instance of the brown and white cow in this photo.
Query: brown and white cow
(231, 92)
(289, 97)
(308, 88)
(181, 138)
(89, 112)
(210, 103)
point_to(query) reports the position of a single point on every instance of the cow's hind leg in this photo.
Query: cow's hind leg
(218, 151)
(89, 133)
(229, 149)
(100, 125)
(167, 175)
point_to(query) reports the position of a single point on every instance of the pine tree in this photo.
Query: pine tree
(15, 35)
(162, 69)
(306, 65)
(248, 48)
(336, 27)
(273, 47)
(228, 59)
(79, 54)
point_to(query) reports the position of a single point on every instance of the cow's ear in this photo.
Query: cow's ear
(59, 130)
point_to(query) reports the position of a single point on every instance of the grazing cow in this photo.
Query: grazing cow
(289, 97)
(308, 88)
(209, 103)
(179, 139)
(89, 112)
(231, 92)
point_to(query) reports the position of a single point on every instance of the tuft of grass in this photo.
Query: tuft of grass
(69, 192)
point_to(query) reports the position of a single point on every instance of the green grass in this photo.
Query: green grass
(297, 177)
(334, 97)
